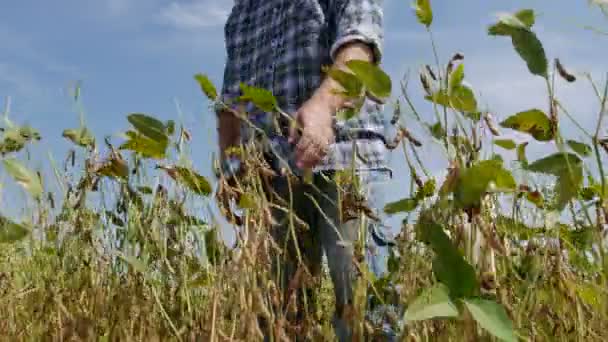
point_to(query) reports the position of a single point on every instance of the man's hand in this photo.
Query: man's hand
(313, 132)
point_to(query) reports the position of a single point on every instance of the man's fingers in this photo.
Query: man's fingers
(308, 153)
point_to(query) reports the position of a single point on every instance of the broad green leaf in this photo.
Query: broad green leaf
(461, 99)
(15, 138)
(530, 48)
(80, 136)
(261, 98)
(492, 317)
(206, 86)
(149, 127)
(525, 42)
(432, 303)
(144, 146)
(533, 122)
(29, 180)
(351, 84)
(424, 12)
(477, 180)
(437, 131)
(11, 232)
(403, 206)
(580, 148)
(568, 168)
(449, 265)
(189, 178)
(427, 190)
(456, 78)
(375, 80)
(114, 168)
(507, 144)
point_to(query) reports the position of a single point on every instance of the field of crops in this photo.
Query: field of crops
(499, 249)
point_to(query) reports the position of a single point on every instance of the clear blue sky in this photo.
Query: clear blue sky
(140, 56)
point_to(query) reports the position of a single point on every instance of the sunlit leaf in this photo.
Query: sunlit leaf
(434, 302)
(533, 122)
(456, 78)
(521, 154)
(568, 169)
(580, 148)
(144, 146)
(475, 181)
(530, 48)
(461, 99)
(449, 265)
(206, 86)
(375, 80)
(114, 168)
(29, 180)
(80, 136)
(492, 317)
(507, 144)
(424, 12)
(261, 98)
(11, 232)
(402, 206)
(437, 131)
(351, 84)
(190, 179)
(149, 127)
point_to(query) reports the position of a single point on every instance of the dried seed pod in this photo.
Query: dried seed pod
(563, 72)
(396, 113)
(489, 120)
(457, 57)
(431, 73)
(425, 84)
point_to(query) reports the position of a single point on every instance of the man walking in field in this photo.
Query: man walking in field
(281, 46)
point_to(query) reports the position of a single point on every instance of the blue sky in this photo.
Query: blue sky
(140, 56)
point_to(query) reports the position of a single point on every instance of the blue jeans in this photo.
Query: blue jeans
(321, 227)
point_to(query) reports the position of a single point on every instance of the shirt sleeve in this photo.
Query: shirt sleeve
(358, 20)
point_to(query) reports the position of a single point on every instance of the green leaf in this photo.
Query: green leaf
(261, 98)
(206, 86)
(525, 42)
(475, 181)
(432, 303)
(424, 12)
(23, 176)
(507, 144)
(530, 48)
(533, 122)
(456, 78)
(375, 80)
(437, 131)
(149, 127)
(190, 179)
(11, 232)
(449, 265)
(114, 168)
(80, 136)
(403, 206)
(568, 168)
(170, 127)
(144, 146)
(492, 317)
(580, 148)
(353, 87)
(461, 99)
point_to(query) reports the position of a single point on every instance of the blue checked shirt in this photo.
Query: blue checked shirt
(281, 46)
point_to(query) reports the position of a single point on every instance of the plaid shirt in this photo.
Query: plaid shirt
(281, 46)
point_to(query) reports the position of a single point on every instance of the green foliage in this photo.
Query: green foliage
(507, 144)
(580, 148)
(15, 138)
(11, 232)
(434, 302)
(525, 42)
(80, 136)
(402, 206)
(353, 87)
(206, 86)
(261, 98)
(476, 181)
(492, 317)
(424, 12)
(189, 178)
(533, 122)
(144, 146)
(568, 168)
(23, 176)
(375, 80)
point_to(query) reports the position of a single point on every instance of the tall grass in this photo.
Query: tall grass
(116, 253)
